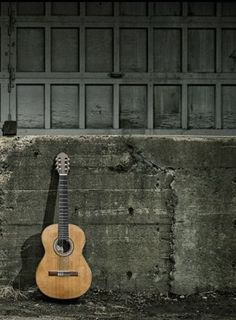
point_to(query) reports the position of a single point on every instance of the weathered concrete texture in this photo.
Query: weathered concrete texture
(158, 212)
(205, 230)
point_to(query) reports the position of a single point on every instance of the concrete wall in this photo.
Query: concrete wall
(159, 213)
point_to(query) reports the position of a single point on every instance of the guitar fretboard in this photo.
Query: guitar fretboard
(63, 232)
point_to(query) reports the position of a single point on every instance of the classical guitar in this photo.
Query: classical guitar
(63, 272)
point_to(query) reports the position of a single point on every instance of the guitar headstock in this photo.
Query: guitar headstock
(62, 163)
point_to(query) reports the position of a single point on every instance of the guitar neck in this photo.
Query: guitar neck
(63, 227)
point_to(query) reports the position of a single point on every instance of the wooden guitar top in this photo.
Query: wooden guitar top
(63, 277)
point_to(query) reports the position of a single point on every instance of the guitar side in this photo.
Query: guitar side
(57, 286)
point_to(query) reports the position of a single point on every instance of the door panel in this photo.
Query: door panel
(167, 106)
(30, 8)
(69, 8)
(30, 49)
(201, 8)
(201, 50)
(133, 8)
(30, 106)
(65, 50)
(229, 50)
(133, 50)
(167, 50)
(201, 106)
(133, 106)
(99, 50)
(65, 106)
(228, 8)
(229, 103)
(99, 106)
(167, 8)
(99, 8)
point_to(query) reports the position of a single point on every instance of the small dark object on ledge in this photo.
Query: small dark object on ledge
(9, 128)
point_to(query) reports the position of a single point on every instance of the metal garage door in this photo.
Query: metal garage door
(111, 67)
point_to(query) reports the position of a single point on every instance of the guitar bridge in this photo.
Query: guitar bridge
(61, 273)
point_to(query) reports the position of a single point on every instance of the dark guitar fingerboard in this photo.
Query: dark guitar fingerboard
(63, 232)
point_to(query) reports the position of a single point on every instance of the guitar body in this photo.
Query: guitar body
(63, 276)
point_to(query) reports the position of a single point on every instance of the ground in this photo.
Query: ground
(99, 305)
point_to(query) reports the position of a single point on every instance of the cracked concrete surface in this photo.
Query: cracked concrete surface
(157, 212)
(136, 162)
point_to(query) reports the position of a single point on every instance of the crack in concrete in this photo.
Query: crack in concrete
(165, 183)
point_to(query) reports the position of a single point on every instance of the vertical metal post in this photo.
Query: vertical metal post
(82, 68)
(184, 106)
(11, 61)
(150, 107)
(116, 68)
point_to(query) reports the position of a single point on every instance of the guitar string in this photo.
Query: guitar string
(63, 221)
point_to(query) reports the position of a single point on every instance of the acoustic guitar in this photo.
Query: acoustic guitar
(63, 272)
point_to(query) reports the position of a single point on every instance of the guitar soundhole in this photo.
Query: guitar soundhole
(63, 247)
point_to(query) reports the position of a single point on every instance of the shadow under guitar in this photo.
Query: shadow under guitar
(32, 249)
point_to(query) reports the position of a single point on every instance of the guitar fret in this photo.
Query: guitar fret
(63, 232)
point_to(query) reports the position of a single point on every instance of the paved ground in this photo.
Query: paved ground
(102, 305)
